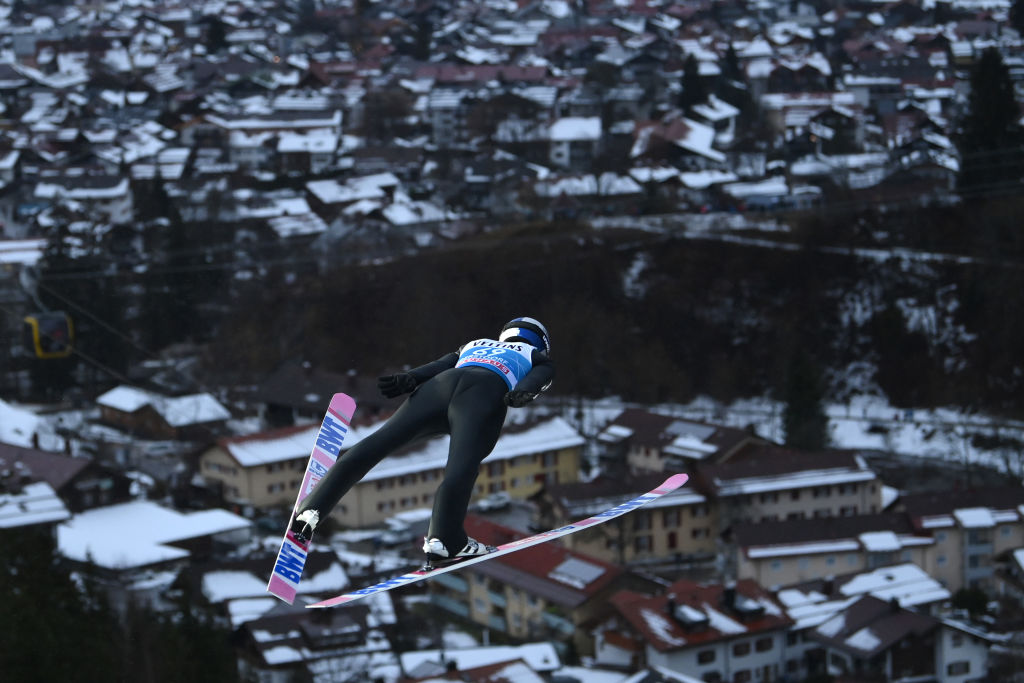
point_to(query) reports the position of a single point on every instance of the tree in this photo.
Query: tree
(694, 90)
(1017, 15)
(803, 419)
(990, 136)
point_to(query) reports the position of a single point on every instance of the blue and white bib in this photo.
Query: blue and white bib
(511, 360)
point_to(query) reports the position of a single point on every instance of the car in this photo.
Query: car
(495, 501)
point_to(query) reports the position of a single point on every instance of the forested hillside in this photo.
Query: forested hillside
(663, 317)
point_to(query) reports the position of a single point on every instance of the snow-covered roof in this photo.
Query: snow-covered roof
(177, 412)
(540, 657)
(549, 435)
(907, 583)
(575, 128)
(17, 425)
(35, 503)
(139, 533)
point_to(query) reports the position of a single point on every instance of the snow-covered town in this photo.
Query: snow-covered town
(164, 165)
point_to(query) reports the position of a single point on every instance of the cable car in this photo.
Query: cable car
(49, 335)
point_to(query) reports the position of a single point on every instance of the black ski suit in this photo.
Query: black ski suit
(468, 403)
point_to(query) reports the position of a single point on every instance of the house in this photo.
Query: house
(29, 504)
(298, 393)
(788, 552)
(236, 589)
(574, 141)
(678, 525)
(969, 530)
(713, 632)
(485, 663)
(106, 196)
(290, 641)
(137, 549)
(650, 442)
(545, 592)
(81, 483)
(768, 483)
(875, 639)
(676, 140)
(819, 600)
(144, 413)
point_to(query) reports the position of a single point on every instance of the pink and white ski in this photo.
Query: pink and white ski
(291, 558)
(671, 484)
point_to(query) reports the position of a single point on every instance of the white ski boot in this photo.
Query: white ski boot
(305, 524)
(437, 552)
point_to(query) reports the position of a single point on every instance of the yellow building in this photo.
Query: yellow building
(526, 457)
(265, 470)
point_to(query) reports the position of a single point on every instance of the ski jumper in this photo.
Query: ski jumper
(460, 394)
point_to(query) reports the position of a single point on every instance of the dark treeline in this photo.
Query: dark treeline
(701, 317)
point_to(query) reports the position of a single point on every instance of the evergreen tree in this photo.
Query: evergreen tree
(803, 419)
(49, 631)
(990, 137)
(694, 90)
(1017, 15)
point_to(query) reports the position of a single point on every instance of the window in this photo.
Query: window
(699, 511)
(700, 533)
(672, 541)
(795, 495)
(641, 521)
(642, 544)
(940, 560)
(741, 649)
(776, 565)
(940, 537)
(958, 668)
(830, 561)
(705, 656)
(742, 676)
(711, 677)
(670, 518)
(956, 639)
(763, 644)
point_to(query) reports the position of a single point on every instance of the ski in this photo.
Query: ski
(291, 558)
(670, 484)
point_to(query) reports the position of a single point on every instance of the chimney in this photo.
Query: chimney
(729, 594)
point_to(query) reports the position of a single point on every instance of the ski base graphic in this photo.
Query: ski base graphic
(291, 558)
(670, 484)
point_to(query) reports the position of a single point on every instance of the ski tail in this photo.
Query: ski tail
(291, 558)
(671, 484)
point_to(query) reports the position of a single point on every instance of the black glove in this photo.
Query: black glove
(396, 385)
(517, 398)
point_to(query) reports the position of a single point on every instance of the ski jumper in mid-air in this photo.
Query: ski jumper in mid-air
(464, 394)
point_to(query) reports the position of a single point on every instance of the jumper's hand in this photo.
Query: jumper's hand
(396, 385)
(517, 398)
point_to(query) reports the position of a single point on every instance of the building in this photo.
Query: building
(544, 592)
(875, 639)
(651, 442)
(713, 632)
(770, 483)
(969, 529)
(261, 470)
(81, 483)
(680, 524)
(151, 415)
(265, 470)
(788, 552)
(815, 602)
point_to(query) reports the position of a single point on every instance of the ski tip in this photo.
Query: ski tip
(674, 482)
(344, 404)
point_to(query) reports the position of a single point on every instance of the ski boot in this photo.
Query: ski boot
(438, 555)
(304, 525)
